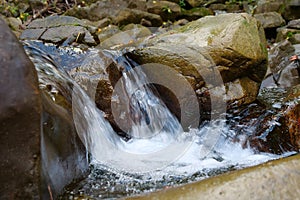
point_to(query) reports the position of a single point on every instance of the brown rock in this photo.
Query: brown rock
(270, 19)
(128, 16)
(20, 121)
(167, 10)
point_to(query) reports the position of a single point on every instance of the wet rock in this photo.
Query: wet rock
(97, 76)
(279, 56)
(234, 42)
(276, 129)
(167, 10)
(63, 156)
(292, 116)
(128, 16)
(57, 29)
(20, 121)
(270, 19)
(275, 179)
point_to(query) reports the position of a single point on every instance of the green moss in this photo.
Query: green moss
(263, 49)
(282, 8)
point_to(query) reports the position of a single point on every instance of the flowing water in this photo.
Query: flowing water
(158, 154)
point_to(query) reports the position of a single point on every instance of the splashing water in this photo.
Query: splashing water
(155, 135)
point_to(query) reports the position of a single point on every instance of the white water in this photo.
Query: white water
(158, 146)
(158, 143)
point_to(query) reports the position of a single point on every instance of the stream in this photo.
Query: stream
(157, 152)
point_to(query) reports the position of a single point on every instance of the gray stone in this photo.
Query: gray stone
(57, 29)
(270, 19)
(294, 24)
(55, 21)
(32, 34)
(61, 33)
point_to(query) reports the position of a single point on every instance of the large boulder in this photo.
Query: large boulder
(235, 44)
(20, 121)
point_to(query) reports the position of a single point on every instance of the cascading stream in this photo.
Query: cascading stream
(159, 152)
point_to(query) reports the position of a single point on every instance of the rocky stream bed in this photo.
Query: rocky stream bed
(222, 70)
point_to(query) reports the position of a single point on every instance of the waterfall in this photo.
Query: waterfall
(159, 152)
(155, 132)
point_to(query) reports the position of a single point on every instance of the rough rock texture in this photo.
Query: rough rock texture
(98, 10)
(130, 35)
(196, 13)
(277, 179)
(288, 8)
(270, 19)
(290, 32)
(58, 29)
(20, 121)
(128, 16)
(167, 10)
(235, 43)
(15, 24)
